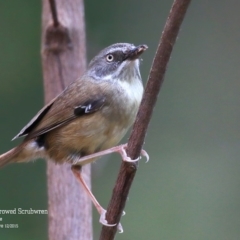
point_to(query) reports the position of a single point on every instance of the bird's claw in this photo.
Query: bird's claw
(125, 157)
(103, 220)
(145, 154)
(120, 228)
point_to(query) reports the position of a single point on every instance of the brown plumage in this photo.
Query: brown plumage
(92, 114)
(63, 131)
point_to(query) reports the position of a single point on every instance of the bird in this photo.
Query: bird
(89, 118)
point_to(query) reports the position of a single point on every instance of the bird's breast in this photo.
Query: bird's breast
(126, 100)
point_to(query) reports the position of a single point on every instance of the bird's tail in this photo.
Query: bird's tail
(10, 156)
(7, 157)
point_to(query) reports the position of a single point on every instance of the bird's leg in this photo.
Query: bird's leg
(121, 149)
(77, 173)
(76, 169)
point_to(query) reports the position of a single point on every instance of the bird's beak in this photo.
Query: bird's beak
(135, 53)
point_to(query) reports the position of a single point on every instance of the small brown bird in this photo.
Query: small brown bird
(91, 115)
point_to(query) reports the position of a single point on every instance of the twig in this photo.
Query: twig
(135, 143)
(54, 13)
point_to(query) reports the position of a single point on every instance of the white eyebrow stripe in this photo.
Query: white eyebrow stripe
(122, 49)
(115, 49)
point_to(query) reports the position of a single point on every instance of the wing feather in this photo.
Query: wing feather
(75, 101)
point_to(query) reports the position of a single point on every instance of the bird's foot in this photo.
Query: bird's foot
(104, 222)
(122, 150)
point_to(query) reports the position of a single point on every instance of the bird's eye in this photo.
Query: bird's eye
(109, 57)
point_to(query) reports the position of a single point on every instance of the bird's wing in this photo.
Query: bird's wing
(75, 101)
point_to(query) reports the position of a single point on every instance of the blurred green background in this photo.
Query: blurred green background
(190, 189)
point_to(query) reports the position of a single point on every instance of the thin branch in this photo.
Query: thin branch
(54, 13)
(136, 140)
